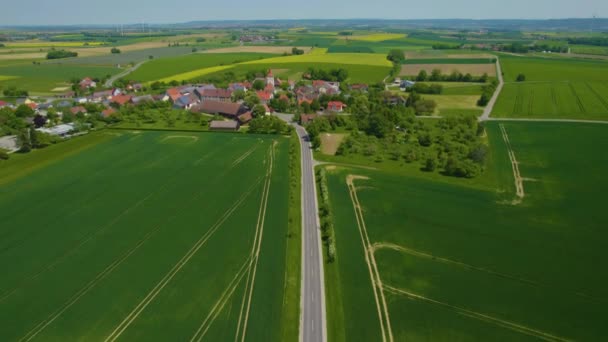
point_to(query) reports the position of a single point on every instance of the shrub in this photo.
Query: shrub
(4, 154)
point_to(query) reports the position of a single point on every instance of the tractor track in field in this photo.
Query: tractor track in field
(480, 316)
(519, 181)
(91, 236)
(377, 286)
(257, 245)
(127, 321)
(244, 156)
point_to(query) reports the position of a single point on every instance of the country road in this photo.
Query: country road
(490, 106)
(312, 324)
(113, 79)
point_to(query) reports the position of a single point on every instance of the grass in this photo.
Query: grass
(7, 78)
(45, 77)
(180, 67)
(318, 51)
(43, 44)
(589, 49)
(553, 69)
(376, 37)
(463, 240)
(128, 57)
(573, 100)
(140, 201)
(194, 74)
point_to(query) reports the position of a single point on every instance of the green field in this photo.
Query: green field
(450, 61)
(553, 69)
(370, 59)
(477, 263)
(574, 100)
(127, 57)
(147, 236)
(173, 67)
(45, 77)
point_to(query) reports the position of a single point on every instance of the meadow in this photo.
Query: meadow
(461, 262)
(147, 236)
(127, 57)
(448, 68)
(369, 59)
(172, 68)
(574, 100)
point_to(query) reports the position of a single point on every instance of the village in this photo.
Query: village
(230, 108)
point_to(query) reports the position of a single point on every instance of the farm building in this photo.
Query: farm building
(245, 117)
(222, 95)
(60, 130)
(227, 109)
(231, 126)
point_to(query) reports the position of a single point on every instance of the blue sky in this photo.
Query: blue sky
(28, 12)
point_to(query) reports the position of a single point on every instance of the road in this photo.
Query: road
(488, 110)
(113, 79)
(312, 320)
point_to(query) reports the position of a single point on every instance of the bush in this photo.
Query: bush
(115, 50)
(4, 154)
(57, 54)
(521, 78)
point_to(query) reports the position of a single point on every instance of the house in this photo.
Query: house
(227, 109)
(99, 96)
(245, 117)
(78, 109)
(324, 87)
(362, 87)
(172, 95)
(121, 100)
(59, 130)
(66, 95)
(64, 104)
(300, 101)
(32, 105)
(335, 106)
(264, 96)
(237, 86)
(137, 100)
(397, 81)
(87, 83)
(395, 100)
(270, 78)
(116, 91)
(231, 125)
(81, 100)
(108, 112)
(3, 104)
(186, 101)
(222, 95)
(267, 110)
(306, 118)
(407, 84)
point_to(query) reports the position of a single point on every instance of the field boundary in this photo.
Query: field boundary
(480, 316)
(381, 306)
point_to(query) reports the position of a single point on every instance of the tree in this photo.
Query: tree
(201, 40)
(258, 111)
(57, 54)
(430, 165)
(422, 76)
(396, 56)
(238, 95)
(435, 75)
(259, 85)
(23, 141)
(425, 139)
(39, 121)
(521, 78)
(115, 50)
(24, 111)
(296, 51)
(251, 100)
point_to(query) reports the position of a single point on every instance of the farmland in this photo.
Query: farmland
(147, 236)
(447, 68)
(444, 252)
(554, 88)
(575, 100)
(171, 68)
(369, 59)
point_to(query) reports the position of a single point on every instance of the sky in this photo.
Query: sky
(70, 12)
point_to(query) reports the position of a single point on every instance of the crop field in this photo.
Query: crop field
(370, 59)
(553, 69)
(575, 100)
(45, 77)
(450, 61)
(127, 57)
(180, 68)
(590, 49)
(375, 37)
(423, 260)
(256, 49)
(45, 44)
(146, 236)
(473, 69)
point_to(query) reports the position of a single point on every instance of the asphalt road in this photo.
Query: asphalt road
(113, 79)
(312, 324)
(490, 106)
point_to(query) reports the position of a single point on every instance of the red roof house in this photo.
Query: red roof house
(121, 100)
(108, 112)
(264, 96)
(335, 106)
(78, 109)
